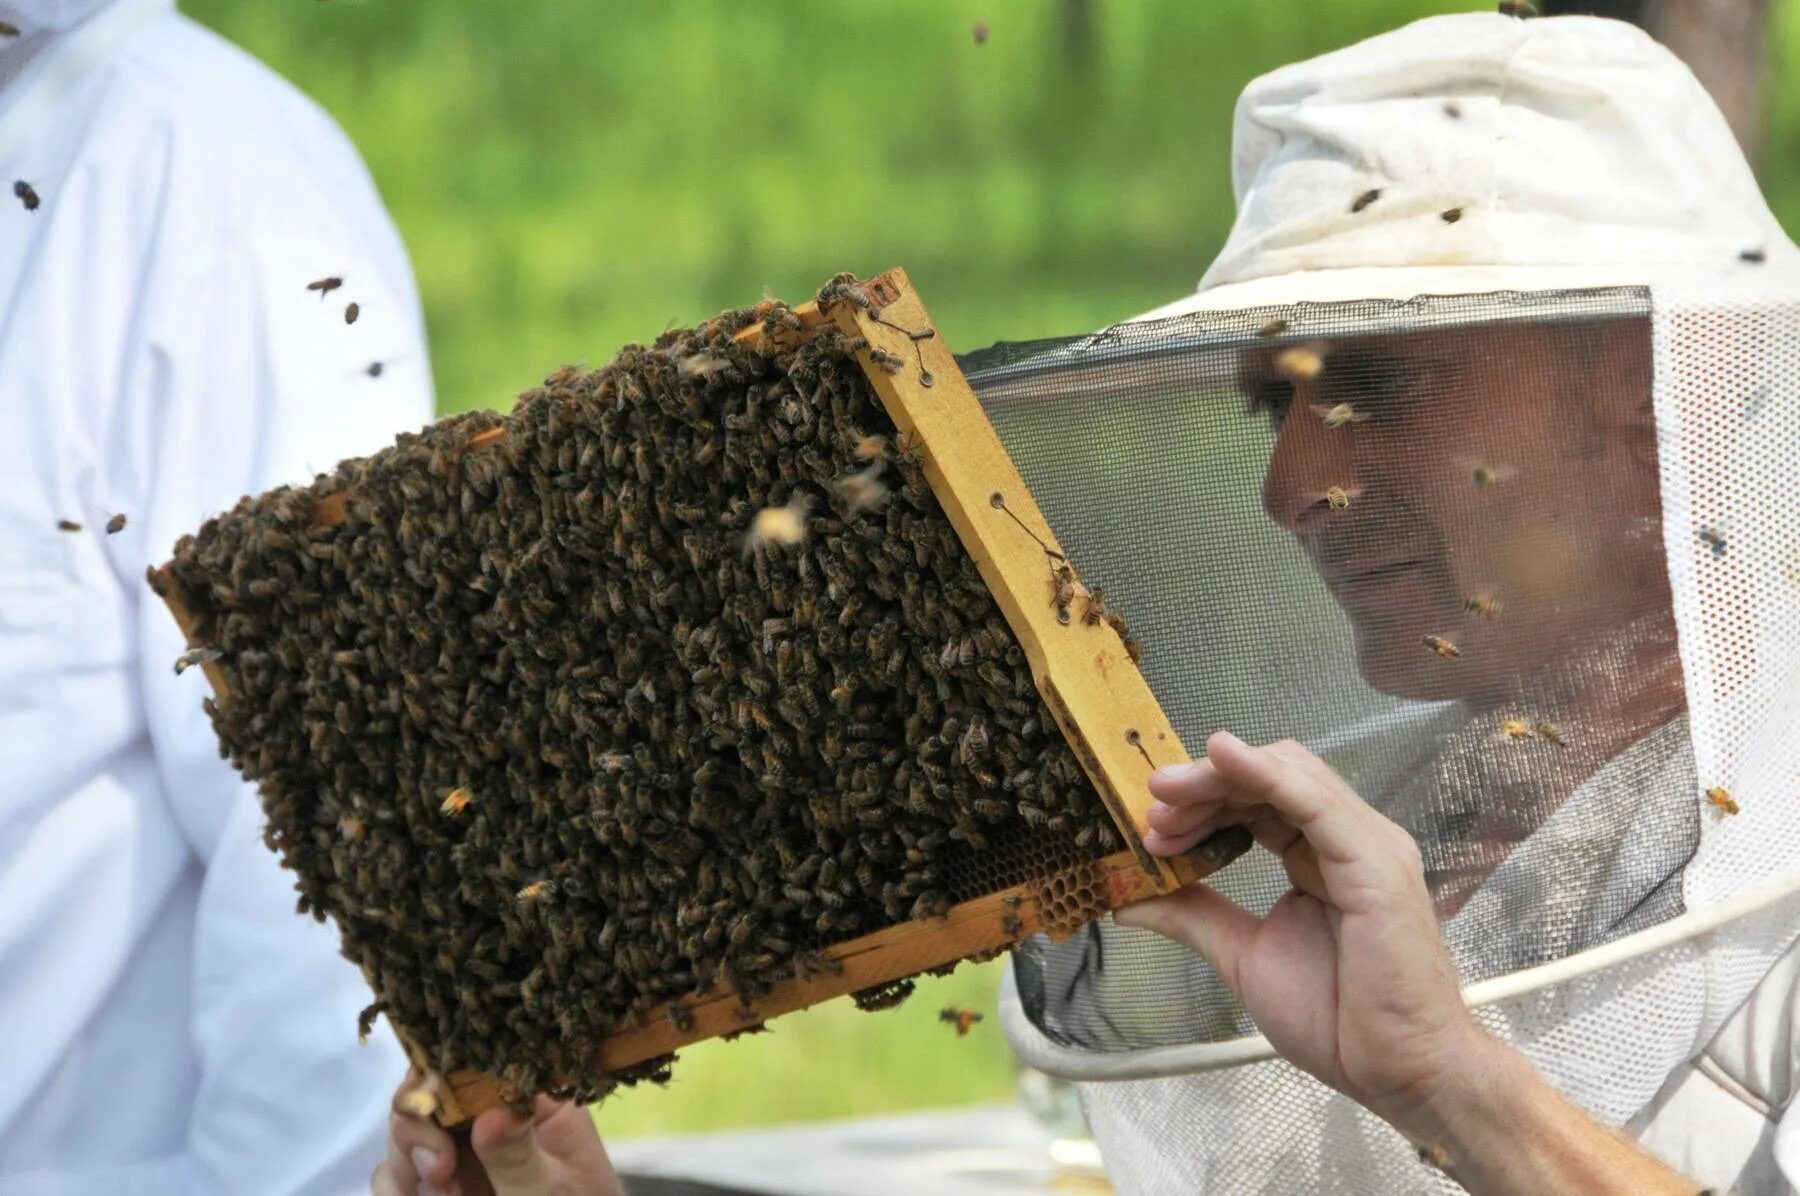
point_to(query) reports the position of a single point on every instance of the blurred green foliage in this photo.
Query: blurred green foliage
(571, 176)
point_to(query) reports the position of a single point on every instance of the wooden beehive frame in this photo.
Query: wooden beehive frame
(1091, 685)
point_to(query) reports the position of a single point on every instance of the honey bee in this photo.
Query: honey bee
(1301, 363)
(1062, 585)
(1550, 732)
(1273, 328)
(115, 525)
(1754, 257)
(1096, 607)
(1485, 605)
(893, 363)
(871, 448)
(1012, 925)
(456, 803)
(1434, 1155)
(981, 33)
(1450, 215)
(8, 29)
(1440, 645)
(194, 656)
(375, 369)
(962, 1019)
(1515, 728)
(325, 285)
(351, 827)
(1337, 498)
(537, 890)
(365, 1021)
(1485, 474)
(1452, 109)
(67, 525)
(863, 490)
(351, 312)
(1722, 800)
(783, 525)
(26, 195)
(418, 1102)
(1339, 415)
(1134, 650)
(1365, 199)
(702, 365)
(1713, 540)
(1522, 9)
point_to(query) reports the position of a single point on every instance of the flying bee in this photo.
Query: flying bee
(325, 285)
(1450, 215)
(115, 525)
(1550, 732)
(784, 525)
(351, 312)
(67, 525)
(863, 490)
(456, 803)
(1514, 728)
(365, 1021)
(1485, 605)
(1365, 199)
(1713, 540)
(1524, 10)
(194, 656)
(537, 890)
(375, 368)
(1722, 800)
(26, 195)
(1339, 415)
(962, 1019)
(981, 33)
(1301, 363)
(1272, 328)
(1485, 474)
(1440, 645)
(8, 29)
(1337, 498)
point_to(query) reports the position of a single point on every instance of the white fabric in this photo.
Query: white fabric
(1581, 154)
(168, 1024)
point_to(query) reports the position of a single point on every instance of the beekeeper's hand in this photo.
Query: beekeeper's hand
(1349, 978)
(556, 1153)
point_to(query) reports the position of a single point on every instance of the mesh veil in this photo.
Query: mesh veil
(1525, 568)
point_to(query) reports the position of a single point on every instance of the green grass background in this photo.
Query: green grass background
(574, 174)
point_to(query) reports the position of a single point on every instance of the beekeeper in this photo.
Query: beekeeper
(1524, 334)
(167, 1023)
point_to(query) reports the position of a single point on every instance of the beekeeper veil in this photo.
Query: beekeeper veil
(1473, 465)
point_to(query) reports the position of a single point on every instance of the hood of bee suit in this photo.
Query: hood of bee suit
(1475, 152)
(41, 22)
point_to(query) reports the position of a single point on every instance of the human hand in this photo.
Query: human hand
(555, 1153)
(1348, 976)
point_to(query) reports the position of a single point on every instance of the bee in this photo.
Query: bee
(351, 827)
(194, 656)
(1754, 257)
(1452, 109)
(1485, 605)
(325, 285)
(375, 369)
(1434, 1155)
(365, 1021)
(962, 1019)
(1135, 650)
(115, 525)
(1722, 800)
(418, 1102)
(1301, 363)
(1365, 199)
(1339, 415)
(67, 525)
(1522, 9)
(26, 195)
(981, 33)
(1713, 540)
(1450, 215)
(784, 525)
(1550, 732)
(1062, 585)
(863, 490)
(893, 363)
(871, 448)
(537, 890)
(1515, 728)
(456, 803)
(1012, 925)
(702, 365)
(1337, 498)
(351, 312)
(1273, 328)
(1440, 645)
(1096, 607)
(1484, 474)
(8, 29)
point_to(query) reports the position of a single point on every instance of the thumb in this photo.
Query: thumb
(1200, 919)
(510, 1154)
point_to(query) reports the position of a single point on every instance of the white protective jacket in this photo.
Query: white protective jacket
(167, 1024)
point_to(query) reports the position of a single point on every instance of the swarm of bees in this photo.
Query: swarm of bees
(632, 703)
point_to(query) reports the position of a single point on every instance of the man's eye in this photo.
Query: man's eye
(1272, 398)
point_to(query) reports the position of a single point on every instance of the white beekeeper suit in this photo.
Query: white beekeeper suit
(167, 1024)
(1474, 155)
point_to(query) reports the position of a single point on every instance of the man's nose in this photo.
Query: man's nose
(1311, 462)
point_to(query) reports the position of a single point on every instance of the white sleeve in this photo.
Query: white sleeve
(250, 381)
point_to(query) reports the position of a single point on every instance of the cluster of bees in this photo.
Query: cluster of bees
(682, 679)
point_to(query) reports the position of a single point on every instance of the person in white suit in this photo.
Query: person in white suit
(168, 1024)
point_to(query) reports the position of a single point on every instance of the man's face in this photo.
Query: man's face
(1494, 488)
